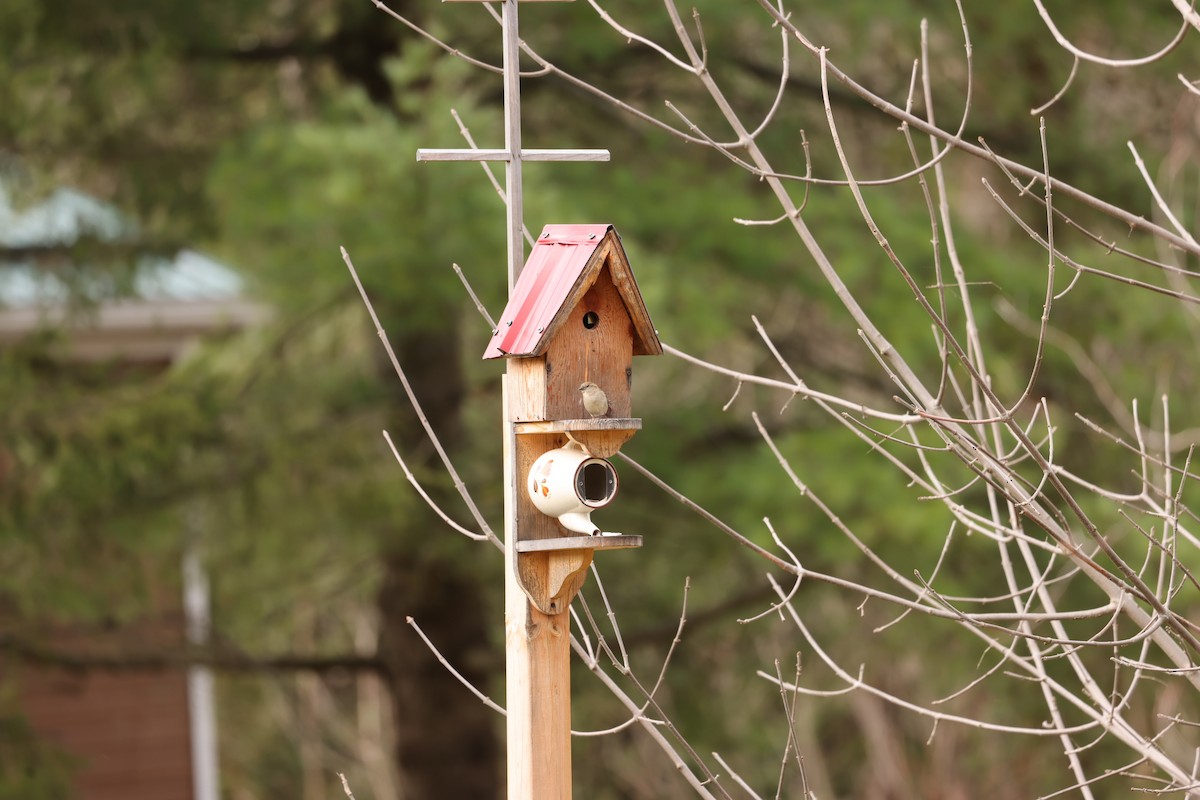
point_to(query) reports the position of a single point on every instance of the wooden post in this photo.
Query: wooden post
(537, 663)
(537, 645)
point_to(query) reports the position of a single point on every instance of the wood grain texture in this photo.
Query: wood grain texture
(538, 702)
(527, 385)
(602, 354)
(602, 437)
(575, 425)
(602, 443)
(607, 542)
(537, 646)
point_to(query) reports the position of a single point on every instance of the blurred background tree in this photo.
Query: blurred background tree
(271, 133)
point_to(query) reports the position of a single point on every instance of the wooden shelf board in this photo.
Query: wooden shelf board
(572, 425)
(610, 542)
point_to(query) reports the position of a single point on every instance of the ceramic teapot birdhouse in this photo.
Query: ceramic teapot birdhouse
(572, 326)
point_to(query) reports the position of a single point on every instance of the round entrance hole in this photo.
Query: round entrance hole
(596, 483)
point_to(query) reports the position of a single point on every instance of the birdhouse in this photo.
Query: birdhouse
(576, 316)
(572, 326)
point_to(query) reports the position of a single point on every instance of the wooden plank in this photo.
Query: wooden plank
(539, 706)
(589, 424)
(527, 386)
(605, 542)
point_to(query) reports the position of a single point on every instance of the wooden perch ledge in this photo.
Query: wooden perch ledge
(603, 542)
(571, 425)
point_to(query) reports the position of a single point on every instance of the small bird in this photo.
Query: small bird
(595, 401)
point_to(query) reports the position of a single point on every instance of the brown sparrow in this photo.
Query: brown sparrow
(595, 401)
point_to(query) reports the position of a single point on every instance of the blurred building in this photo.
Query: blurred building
(135, 734)
(150, 309)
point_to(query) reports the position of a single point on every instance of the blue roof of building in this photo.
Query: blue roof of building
(66, 217)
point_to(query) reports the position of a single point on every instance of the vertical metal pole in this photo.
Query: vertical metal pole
(512, 139)
(201, 701)
(537, 652)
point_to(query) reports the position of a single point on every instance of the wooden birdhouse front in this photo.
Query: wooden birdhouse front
(575, 316)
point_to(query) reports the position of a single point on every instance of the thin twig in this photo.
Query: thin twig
(416, 405)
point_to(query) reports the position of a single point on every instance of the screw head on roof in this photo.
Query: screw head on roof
(509, 323)
(545, 236)
(539, 330)
(494, 331)
(592, 236)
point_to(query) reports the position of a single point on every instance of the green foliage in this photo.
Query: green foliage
(30, 768)
(291, 194)
(268, 444)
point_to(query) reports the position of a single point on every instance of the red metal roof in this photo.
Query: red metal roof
(562, 258)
